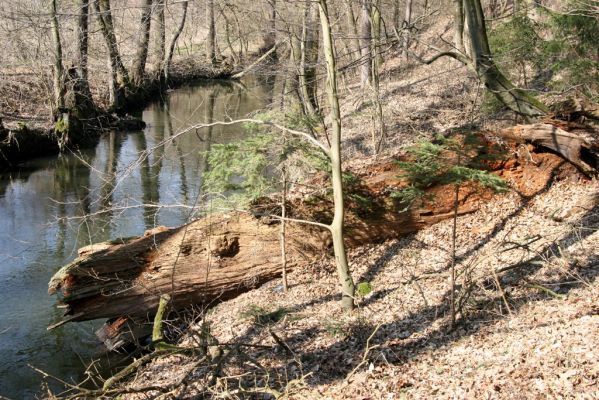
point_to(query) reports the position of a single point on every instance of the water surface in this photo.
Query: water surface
(52, 206)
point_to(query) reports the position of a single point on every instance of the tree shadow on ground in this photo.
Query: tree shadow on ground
(399, 341)
(396, 347)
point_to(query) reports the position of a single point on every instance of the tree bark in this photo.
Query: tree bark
(143, 40)
(58, 73)
(518, 100)
(211, 39)
(160, 43)
(270, 35)
(406, 25)
(366, 32)
(105, 18)
(351, 23)
(119, 77)
(336, 227)
(166, 64)
(83, 47)
(458, 20)
(309, 59)
(579, 151)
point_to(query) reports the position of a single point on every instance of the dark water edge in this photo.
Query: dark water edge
(52, 206)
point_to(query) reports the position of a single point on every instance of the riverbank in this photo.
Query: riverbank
(25, 137)
(50, 206)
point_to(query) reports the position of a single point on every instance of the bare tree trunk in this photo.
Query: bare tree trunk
(458, 15)
(269, 38)
(366, 33)
(283, 226)
(160, 38)
(143, 40)
(211, 40)
(166, 64)
(58, 73)
(105, 18)
(395, 14)
(118, 73)
(376, 97)
(376, 33)
(82, 47)
(518, 100)
(351, 22)
(406, 25)
(234, 55)
(336, 226)
(309, 59)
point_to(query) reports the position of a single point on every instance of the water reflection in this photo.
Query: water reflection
(53, 206)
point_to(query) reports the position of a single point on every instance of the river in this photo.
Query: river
(52, 206)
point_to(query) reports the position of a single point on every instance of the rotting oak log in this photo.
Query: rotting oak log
(218, 257)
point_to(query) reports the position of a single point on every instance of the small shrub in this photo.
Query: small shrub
(363, 289)
(446, 161)
(262, 316)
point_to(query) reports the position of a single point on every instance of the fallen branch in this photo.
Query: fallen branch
(253, 65)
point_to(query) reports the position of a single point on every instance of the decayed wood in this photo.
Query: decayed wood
(569, 145)
(209, 260)
(221, 256)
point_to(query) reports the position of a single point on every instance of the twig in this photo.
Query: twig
(546, 290)
(281, 343)
(507, 305)
(366, 351)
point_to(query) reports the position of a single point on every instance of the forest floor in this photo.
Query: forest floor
(528, 295)
(528, 332)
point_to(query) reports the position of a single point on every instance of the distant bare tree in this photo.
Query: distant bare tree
(143, 41)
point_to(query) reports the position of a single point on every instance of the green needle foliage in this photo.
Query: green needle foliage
(241, 172)
(556, 51)
(447, 161)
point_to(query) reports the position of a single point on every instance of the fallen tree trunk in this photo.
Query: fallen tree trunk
(218, 257)
(580, 151)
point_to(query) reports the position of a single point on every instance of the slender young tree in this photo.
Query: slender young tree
(58, 73)
(366, 33)
(336, 227)
(166, 63)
